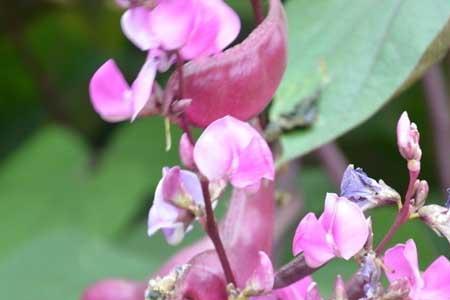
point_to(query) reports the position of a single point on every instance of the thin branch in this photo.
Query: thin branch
(293, 271)
(438, 111)
(213, 233)
(333, 160)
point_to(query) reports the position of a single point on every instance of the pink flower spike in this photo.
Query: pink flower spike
(262, 279)
(401, 263)
(113, 99)
(136, 26)
(115, 289)
(408, 139)
(178, 200)
(342, 230)
(230, 149)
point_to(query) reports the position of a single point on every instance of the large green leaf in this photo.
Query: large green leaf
(367, 50)
(59, 265)
(53, 181)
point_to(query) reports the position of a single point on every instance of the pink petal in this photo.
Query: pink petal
(141, 89)
(186, 151)
(437, 280)
(136, 27)
(401, 262)
(172, 21)
(255, 162)
(109, 93)
(403, 128)
(229, 26)
(349, 227)
(115, 289)
(262, 278)
(295, 291)
(240, 81)
(311, 239)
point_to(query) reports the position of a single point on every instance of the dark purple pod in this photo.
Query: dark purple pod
(240, 81)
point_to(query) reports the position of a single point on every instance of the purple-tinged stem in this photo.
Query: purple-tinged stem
(333, 160)
(258, 11)
(213, 233)
(293, 271)
(402, 215)
(438, 112)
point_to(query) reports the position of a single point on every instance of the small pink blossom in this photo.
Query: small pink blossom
(408, 139)
(342, 230)
(401, 263)
(233, 150)
(193, 27)
(113, 99)
(178, 200)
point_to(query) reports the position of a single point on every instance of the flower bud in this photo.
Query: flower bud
(186, 150)
(437, 218)
(421, 188)
(115, 289)
(339, 289)
(408, 142)
(365, 191)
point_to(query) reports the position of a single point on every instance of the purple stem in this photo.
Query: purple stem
(258, 11)
(213, 233)
(438, 113)
(402, 216)
(333, 160)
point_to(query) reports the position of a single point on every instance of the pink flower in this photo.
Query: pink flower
(115, 289)
(401, 263)
(178, 200)
(193, 27)
(342, 230)
(233, 150)
(113, 99)
(304, 289)
(408, 139)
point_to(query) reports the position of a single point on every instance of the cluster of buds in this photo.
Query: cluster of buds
(408, 142)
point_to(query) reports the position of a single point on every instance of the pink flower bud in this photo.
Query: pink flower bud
(421, 193)
(186, 150)
(115, 289)
(178, 200)
(408, 139)
(342, 230)
(339, 289)
(401, 263)
(229, 149)
(113, 99)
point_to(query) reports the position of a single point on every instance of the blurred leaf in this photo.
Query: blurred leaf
(49, 182)
(61, 264)
(367, 50)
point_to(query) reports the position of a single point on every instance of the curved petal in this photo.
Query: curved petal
(110, 93)
(136, 27)
(115, 289)
(141, 89)
(311, 239)
(295, 291)
(401, 262)
(350, 228)
(436, 279)
(240, 81)
(172, 21)
(262, 278)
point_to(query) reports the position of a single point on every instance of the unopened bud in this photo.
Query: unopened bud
(421, 188)
(339, 289)
(186, 150)
(408, 141)
(437, 218)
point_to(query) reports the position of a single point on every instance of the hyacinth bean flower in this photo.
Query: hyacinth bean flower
(401, 263)
(232, 150)
(113, 99)
(341, 231)
(194, 28)
(408, 142)
(178, 201)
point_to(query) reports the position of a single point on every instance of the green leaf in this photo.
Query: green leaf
(61, 264)
(367, 50)
(51, 182)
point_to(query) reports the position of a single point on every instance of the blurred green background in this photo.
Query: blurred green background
(75, 191)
